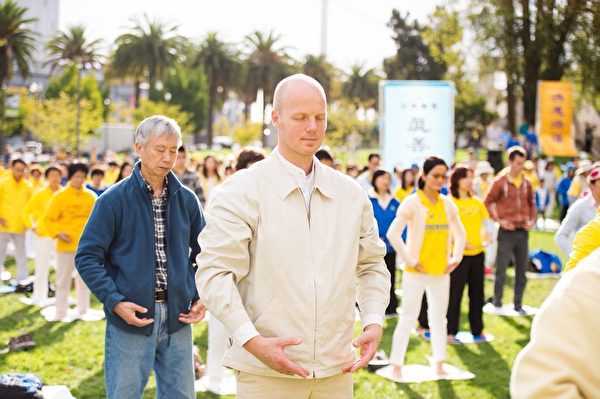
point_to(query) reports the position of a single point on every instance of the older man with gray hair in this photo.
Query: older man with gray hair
(137, 255)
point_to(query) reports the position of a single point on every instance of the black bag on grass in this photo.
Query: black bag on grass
(20, 386)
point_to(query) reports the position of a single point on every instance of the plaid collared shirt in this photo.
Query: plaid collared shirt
(159, 214)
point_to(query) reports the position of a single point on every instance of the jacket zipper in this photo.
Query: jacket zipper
(308, 214)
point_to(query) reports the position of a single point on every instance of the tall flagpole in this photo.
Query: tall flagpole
(323, 27)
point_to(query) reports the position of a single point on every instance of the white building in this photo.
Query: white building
(46, 13)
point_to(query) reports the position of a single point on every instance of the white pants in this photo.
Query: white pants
(43, 247)
(29, 244)
(20, 257)
(64, 274)
(217, 346)
(492, 248)
(437, 289)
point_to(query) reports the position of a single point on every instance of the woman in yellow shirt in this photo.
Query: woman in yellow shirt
(429, 256)
(65, 218)
(472, 213)
(43, 243)
(407, 185)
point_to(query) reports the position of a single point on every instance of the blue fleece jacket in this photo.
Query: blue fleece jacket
(116, 256)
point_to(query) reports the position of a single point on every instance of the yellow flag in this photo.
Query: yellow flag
(555, 118)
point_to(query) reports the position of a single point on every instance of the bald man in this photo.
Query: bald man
(288, 248)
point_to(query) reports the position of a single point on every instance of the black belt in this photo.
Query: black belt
(160, 296)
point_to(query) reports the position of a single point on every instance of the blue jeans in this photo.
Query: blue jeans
(129, 358)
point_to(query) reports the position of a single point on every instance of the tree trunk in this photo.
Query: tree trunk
(511, 100)
(78, 113)
(2, 132)
(511, 59)
(137, 94)
(212, 96)
(531, 60)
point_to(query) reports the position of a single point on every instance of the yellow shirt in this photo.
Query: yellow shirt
(401, 193)
(34, 211)
(575, 188)
(517, 181)
(36, 184)
(586, 241)
(472, 213)
(68, 212)
(110, 176)
(434, 257)
(13, 197)
(533, 178)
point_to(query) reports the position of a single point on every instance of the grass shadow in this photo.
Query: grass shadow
(488, 367)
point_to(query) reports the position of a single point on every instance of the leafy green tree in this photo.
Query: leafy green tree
(220, 63)
(343, 121)
(413, 59)
(146, 52)
(246, 133)
(185, 86)
(586, 51)
(534, 39)
(148, 108)
(52, 120)
(444, 35)
(67, 84)
(17, 44)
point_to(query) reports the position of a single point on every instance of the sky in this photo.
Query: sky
(356, 32)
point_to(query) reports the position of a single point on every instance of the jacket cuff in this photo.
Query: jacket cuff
(112, 301)
(235, 319)
(244, 333)
(372, 309)
(372, 318)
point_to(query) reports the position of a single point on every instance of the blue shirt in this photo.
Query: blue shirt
(562, 190)
(384, 218)
(97, 191)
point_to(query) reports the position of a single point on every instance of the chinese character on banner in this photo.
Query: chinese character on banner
(554, 118)
(417, 125)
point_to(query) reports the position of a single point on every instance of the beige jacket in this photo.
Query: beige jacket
(413, 213)
(266, 261)
(561, 360)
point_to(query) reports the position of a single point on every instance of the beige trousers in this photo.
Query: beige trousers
(251, 386)
(64, 273)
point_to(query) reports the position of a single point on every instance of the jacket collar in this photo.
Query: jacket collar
(285, 183)
(173, 183)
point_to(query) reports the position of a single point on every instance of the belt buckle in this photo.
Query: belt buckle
(160, 296)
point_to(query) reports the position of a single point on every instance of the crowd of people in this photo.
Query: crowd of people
(289, 246)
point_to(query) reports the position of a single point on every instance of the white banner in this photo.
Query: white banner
(416, 121)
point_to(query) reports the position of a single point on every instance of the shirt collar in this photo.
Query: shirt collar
(294, 170)
(149, 187)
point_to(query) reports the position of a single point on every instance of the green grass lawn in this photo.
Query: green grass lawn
(72, 354)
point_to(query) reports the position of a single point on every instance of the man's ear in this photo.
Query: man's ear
(275, 118)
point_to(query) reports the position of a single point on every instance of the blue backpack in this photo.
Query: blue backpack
(544, 262)
(20, 386)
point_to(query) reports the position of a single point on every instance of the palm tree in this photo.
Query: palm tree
(17, 44)
(146, 52)
(323, 71)
(72, 46)
(220, 65)
(267, 64)
(361, 88)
